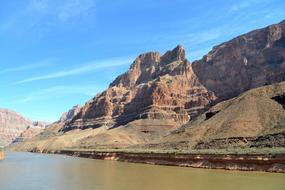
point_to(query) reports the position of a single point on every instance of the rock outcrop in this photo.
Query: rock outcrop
(168, 87)
(160, 93)
(29, 133)
(16, 128)
(248, 61)
(12, 125)
(155, 87)
(68, 116)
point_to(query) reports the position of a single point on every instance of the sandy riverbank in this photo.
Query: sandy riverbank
(243, 162)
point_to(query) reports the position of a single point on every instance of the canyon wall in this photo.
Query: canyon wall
(248, 61)
(155, 87)
(164, 101)
(14, 126)
(11, 126)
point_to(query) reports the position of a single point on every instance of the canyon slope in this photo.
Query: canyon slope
(13, 125)
(254, 119)
(147, 105)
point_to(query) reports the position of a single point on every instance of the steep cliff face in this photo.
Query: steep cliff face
(160, 93)
(169, 87)
(11, 126)
(16, 128)
(155, 87)
(248, 61)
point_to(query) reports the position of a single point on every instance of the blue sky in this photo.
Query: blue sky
(58, 53)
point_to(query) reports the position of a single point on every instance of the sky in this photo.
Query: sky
(55, 54)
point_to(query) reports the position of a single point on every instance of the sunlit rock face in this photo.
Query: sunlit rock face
(11, 126)
(168, 87)
(155, 87)
(16, 128)
(248, 61)
(152, 103)
(67, 116)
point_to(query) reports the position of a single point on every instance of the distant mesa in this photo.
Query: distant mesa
(13, 125)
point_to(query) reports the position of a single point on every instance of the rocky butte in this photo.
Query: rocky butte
(165, 102)
(162, 87)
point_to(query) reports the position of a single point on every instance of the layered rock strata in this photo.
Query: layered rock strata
(155, 87)
(12, 125)
(251, 60)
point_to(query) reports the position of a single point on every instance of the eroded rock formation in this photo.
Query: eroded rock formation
(248, 61)
(16, 128)
(168, 87)
(160, 93)
(11, 126)
(155, 87)
(67, 116)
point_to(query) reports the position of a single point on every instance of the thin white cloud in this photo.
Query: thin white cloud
(269, 14)
(63, 10)
(75, 8)
(61, 91)
(24, 100)
(198, 38)
(56, 93)
(245, 4)
(46, 13)
(82, 69)
(41, 64)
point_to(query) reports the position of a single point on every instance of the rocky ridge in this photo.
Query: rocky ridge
(68, 116)
(15, 128)
(12, 125)
(155, 87)
(168, 87)
(251, 60)
(149, 103)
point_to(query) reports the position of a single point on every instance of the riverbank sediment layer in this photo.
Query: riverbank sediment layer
(243, 162)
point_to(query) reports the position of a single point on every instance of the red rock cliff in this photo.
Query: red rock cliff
(168, 87)
(248, 61)
(155, 87)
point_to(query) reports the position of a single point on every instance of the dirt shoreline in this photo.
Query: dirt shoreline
(244, 162)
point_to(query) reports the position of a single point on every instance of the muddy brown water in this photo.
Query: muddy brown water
(27, 171)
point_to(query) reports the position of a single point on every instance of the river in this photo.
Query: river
(27, 171)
